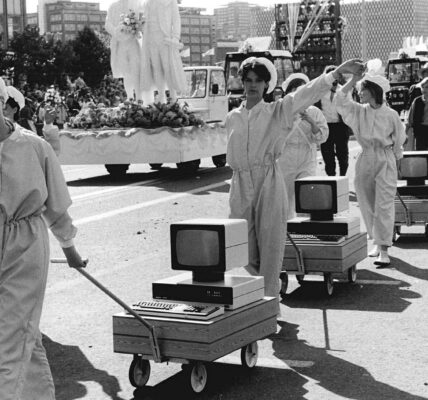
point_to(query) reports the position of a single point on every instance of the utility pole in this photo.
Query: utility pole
(5, 26)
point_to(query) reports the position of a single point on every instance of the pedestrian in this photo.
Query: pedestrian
(380, 132)
(299, 156)
(336, 146)
(415, 89)
(417, 122)
(256, 133)
(33, 197)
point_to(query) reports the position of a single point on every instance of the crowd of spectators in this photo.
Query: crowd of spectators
(71, 97)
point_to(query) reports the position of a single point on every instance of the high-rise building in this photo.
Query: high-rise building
(197, 35)
(233, 21)
(375, 28)
(65, 18)
(15, 21)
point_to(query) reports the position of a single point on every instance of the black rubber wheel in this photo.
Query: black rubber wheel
(117, 170)
(249, 355)
(189, 166)
(220, 160)
(300, 279)
(284, 284)
(328, 284)
(156, 166)
(352, 274)
(139, 372)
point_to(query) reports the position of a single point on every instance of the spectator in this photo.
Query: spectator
(415, 90)
(336, 145)
(417, 123)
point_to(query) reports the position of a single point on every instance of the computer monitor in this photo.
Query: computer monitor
(209, 247)
(322, 196)
(413, 167)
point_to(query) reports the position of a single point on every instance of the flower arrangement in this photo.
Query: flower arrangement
(246, 47)
(52, 97)
(130, 24)
(134, 115)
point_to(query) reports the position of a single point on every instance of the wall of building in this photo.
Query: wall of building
(16, 11)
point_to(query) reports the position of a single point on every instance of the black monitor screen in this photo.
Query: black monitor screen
(315, 197)
(197, 247)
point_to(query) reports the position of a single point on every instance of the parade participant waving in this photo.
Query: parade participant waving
(33, 197)
(380, 132)
(256, 133)
(299, 157)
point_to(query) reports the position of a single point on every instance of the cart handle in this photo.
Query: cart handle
(299, 255)
(152, 333)
(406, 210)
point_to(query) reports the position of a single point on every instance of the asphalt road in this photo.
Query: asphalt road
(369, 341)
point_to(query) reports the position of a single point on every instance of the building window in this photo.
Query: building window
(94, 18)
(194, 21)
(69, 36)
(185, 29)
(195, 31)
(195, 49)
(69, 27)
(55, 17)
(205, 21)
(80, 27)
(195, 39)
(184, 21)
(206, 31)
(56, 28)
(81, 17)
(69, 17)
(205, 39)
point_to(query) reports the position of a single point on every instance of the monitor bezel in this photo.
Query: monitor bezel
(415, 180)
(220, 268)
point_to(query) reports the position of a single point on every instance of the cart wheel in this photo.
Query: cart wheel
(300, 279)
(220, 160)
(352, 274)
(139, 372)
(284, 284)
(249, 355)
(328, 281)
(156, 166)
(198, 376)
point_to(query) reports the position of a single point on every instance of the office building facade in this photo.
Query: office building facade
(15, 21)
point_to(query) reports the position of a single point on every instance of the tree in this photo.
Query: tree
(91, 56)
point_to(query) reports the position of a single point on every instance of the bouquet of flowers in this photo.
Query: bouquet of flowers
(131, 24)
(52, 97)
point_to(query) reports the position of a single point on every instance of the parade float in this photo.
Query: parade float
(181, 129)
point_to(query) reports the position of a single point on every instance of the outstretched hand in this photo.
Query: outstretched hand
(354, 66)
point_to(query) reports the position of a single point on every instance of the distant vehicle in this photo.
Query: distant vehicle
(205, 92)
(282, 59)
(402, 72)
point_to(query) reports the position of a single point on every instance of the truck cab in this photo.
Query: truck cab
(402, 72)
(281, 59)
(205, 92)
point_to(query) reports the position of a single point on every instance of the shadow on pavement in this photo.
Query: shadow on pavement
(70, 367)
(371, 292)
(334, 374)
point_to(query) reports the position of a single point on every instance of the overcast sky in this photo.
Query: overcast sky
(208, 4)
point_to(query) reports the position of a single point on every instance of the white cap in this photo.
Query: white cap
(17, 96)
(292, 77)
(3, 90)
(270, 67)
(375, 74)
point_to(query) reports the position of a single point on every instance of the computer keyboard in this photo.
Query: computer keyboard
(302, 237)
(177, 310)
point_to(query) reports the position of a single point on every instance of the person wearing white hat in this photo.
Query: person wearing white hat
(256, 134)
(33, 197)
(13, 106)
(299, 156)
(380, 133)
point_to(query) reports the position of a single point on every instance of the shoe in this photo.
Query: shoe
(383, 259)
(374, 252)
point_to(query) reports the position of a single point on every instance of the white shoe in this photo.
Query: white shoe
(383, 259)
(374, 252)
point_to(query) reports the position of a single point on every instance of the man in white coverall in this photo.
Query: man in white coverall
(256, 133)
(33, 196)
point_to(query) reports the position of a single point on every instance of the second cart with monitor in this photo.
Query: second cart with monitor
(323, 243)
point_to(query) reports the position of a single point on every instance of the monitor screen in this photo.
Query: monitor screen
(197, 248)
(413, 167)
(312, 196)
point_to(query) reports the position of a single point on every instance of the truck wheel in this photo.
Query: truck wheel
(220, 160)
(117, 170)
(189, 166)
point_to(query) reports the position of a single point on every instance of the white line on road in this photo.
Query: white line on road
(139, 206)
(377, 282)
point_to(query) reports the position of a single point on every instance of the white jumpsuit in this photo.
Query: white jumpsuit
(33, 196)
(255, 142)
(299, 157)
(381, 135)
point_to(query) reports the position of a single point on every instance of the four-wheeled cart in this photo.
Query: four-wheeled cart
(315, 255)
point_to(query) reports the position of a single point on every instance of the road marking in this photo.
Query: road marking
(139, 206)
(267, 362)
